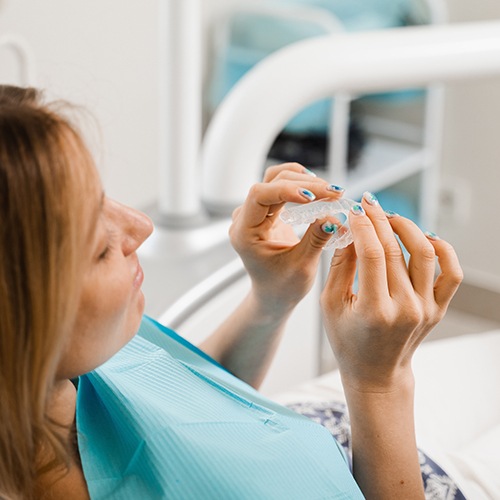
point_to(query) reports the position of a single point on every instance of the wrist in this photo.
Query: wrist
(385, 457)
(270, 308)
(398, 382)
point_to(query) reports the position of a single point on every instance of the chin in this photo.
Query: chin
(135, 322)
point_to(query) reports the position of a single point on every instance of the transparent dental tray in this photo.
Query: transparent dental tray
(308, 213)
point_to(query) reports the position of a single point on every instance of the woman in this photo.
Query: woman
(70, 300)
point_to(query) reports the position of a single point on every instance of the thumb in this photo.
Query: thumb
(340, 279)
(316, 237)
(342, 269)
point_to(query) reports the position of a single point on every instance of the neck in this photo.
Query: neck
(71, 484)
(62, 403)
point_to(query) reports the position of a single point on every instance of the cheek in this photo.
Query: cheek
(108, 317)
(106, 303)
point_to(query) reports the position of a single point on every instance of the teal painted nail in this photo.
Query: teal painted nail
(357, 210)
(370, 198)
(335, 189)
(431, 235)
(307, 194)
(391, 214)
(330, 227)
(309, 172)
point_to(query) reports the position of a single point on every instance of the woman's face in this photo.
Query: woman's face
(112, 302)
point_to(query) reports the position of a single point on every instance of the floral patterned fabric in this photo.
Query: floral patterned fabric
(333, 415)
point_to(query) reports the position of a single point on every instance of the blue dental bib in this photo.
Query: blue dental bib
(163, 420)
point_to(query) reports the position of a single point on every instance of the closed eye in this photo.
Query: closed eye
(111, 239)
(104, 253)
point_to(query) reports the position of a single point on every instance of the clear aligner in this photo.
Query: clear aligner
(308, 213)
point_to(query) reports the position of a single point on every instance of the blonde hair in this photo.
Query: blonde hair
(49, 201)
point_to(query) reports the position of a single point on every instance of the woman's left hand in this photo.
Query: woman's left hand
(282, 267)
(375, 331)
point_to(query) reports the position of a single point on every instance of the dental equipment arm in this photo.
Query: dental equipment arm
(242, 130)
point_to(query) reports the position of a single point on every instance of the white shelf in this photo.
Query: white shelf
(383, 163)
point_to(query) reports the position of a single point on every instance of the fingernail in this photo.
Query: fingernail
(357, 210)
(391, 214)
(335, 189)
(370, 198)
(307, 194)
(330, 227)
(431, 235)
(309, 172)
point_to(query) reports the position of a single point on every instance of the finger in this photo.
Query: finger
(397, 272)
(316, 237)
(295, 171)
(340, 280)
(331, 189)
(321, 188)
(451, 274)
(422, 262)
(271, 172)
(266, 199)
(372, 270)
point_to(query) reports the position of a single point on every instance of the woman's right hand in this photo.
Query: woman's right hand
(375, 331)
(282, 267)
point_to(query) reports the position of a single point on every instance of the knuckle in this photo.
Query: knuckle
(380, 319)
(411, 317)
(433, 315)
(403, 316)
(274, 170)
(293, 164)
(457, 276)
(392, 250)
(232, 235)
(372, 252)
(427, 252)
(270, 172)
(280, 182)
(235, 238)
(413, 314)
(255, 190)
(318, 240)
(280, 176)
(271, 169)
(379, 215)
(235, 213)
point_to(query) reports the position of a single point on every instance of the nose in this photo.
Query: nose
(135, 226)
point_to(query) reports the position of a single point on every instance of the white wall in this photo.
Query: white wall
(103, 54)
(471, 158)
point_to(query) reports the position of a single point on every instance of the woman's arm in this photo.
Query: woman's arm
(374, 334)
(282, 269)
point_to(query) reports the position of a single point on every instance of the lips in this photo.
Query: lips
(139, 276)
